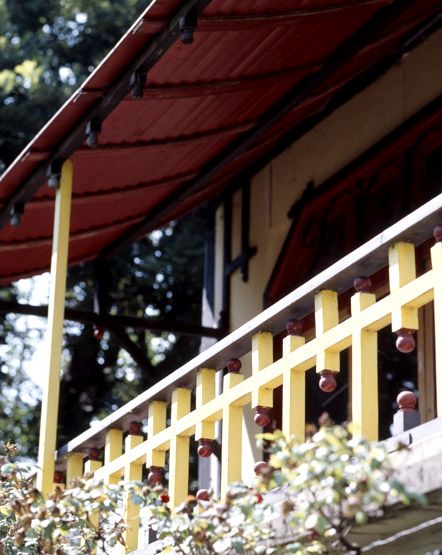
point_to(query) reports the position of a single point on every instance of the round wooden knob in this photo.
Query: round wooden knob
(362, 285)
(294, 327)
(437, 233)
(262, 416)
(327, 381)
(407, 401)
(205, 447)
(203, 495)
(135, 428)
(234, 365)
(99, 333)
(261, 467)
(155, 475)
(94, 454)
(405, 342)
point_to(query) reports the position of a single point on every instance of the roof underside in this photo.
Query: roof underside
(211, 111)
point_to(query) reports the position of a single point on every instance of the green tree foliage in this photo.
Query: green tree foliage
(160, 276)
(47, 48)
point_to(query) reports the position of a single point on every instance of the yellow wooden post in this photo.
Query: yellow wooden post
(262, 356)
(205, 392)
(132, 472)
(51, 388)
(364, 384)
(179, 449)
(436, 261)
(112, 450)
(326, 318)
(402, 270)
(293, 393)
(231, 437)
(91, 466)
(74, 467)
(156, 423)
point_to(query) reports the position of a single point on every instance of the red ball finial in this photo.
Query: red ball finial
(94, 454)
(362, 285)
(234, 365)
(262, 416)
(98, 333)
(155, 475)
(294, 327)
(261, 467)
(437, 233)
(164, 497)
(406, 401)
(327, 381)
(205, 447)
(405, 342)
(203, 495)
(135, 428)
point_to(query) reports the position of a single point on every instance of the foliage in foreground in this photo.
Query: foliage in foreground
(305, 500)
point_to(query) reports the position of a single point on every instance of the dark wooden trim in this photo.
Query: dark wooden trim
(104, 105)
(113, 149)
(311, 192)
(151, 376)
(262, 20)
(303, 90)
(110, 320)
(222, 86)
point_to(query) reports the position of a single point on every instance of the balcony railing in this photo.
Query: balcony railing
(407, 293)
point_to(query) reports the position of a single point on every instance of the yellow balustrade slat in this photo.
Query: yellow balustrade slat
(293, 392)
(364, 368)
(205, 392)
(262, 356)
(74, 467)
(179, 449)
(231, 453)
(326, 318)
(133, 471)
(113, 448)
(90, 467)
(402, 270)
(436, 262)
(358, 331)
(51, 387)
(156, 423)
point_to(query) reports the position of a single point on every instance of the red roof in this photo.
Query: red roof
(254, 77)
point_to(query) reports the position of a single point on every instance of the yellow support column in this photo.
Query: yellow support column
(132, 472)
(402, 270)
(326, 318)
(436, 260)
(112, 450)
(74, 467)
(364, 380)
(156, 423)
(51, 387)
(262, 356)
(179, 450)
(231, 437)
(293, 393)
(205, 392)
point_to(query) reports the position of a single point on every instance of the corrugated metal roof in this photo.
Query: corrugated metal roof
(161, 155)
